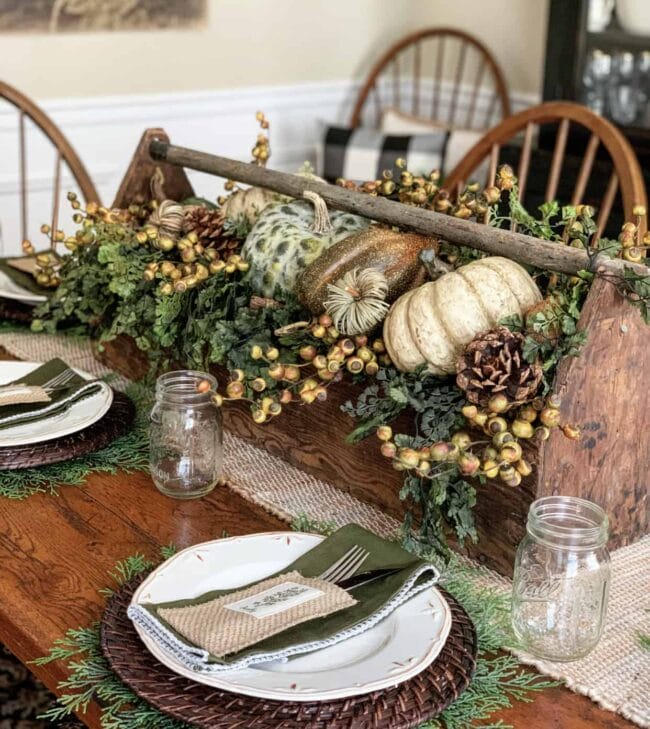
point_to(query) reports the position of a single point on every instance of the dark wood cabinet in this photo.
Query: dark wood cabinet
(569, 48)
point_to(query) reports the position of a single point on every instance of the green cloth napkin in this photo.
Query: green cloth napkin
(20, 278)
(77, 388)
(374, 602)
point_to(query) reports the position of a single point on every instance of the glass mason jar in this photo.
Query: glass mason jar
(185, 436)
(561, 579)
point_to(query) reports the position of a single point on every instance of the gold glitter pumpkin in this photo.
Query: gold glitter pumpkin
(394, 254)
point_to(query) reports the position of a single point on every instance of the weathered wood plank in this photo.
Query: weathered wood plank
(605, 393)
(522, 248)
(136, 183)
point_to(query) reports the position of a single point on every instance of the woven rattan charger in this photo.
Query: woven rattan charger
(402, 707)
(115, 423)
(11, 310)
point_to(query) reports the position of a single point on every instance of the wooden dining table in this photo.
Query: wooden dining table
(56, 552)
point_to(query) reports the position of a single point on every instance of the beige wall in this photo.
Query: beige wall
(267, 42)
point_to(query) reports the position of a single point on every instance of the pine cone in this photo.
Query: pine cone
(492, 364)
(208, 225)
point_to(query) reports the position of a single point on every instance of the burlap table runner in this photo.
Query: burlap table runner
(616, 674)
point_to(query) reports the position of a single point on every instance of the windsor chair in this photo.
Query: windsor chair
(625, 176)
(412, 77)
(64, 155)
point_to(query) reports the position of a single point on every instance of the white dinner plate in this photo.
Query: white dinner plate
(396, 649)
(11, 290)
(79, 415)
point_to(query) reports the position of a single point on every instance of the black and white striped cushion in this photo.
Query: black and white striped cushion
(363, 154)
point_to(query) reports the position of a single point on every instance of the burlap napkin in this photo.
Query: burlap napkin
(232, 622)
(60, 398)
(374, 602)
(19, 394)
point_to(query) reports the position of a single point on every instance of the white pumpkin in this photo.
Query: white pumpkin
(249, 203)
(433, 323)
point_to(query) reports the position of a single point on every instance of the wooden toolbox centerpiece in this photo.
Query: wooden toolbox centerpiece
(603, 390)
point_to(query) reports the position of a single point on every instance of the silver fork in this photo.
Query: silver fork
(61, 380)
(58, 382)
(346, 566)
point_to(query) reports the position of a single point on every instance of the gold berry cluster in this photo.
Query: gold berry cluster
(306, 380)
(180, 277)
(48, 262)
(425, 191)
(634, 247)
(261, 153)
(501, 456)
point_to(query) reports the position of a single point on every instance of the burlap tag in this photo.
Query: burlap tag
(22, 394)
(221, 630)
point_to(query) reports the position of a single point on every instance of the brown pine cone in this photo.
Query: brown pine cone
(493, 364)
(208, 224)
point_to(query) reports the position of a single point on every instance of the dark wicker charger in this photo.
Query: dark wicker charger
(117, 421)
(402, 707)
(17, 311)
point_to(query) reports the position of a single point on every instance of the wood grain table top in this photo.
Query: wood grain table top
(56, 553)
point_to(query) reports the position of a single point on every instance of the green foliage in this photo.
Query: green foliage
(636, 288)
(552, 332)
(303, 523)
(444, 501)
(644, 641)
(128, 453)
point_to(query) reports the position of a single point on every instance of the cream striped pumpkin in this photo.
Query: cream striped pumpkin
(433, 323)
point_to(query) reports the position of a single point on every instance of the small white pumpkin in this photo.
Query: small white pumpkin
(249, 203)
(433, 323)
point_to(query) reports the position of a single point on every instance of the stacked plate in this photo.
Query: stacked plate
(84, 426)
(76, 417)
(398, 648)
(13, 291)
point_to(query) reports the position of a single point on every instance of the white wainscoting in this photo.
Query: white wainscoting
(106, 130)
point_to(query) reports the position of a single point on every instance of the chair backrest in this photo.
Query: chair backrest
(64, 154)
(440, 74)
(625, 176)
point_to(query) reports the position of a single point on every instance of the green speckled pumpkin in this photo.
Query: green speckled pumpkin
(282, 243)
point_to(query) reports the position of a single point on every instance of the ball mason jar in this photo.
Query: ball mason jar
(561, 578)
(185, 436)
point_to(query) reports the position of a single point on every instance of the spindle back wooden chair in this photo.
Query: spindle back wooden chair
(626, 176)
(411, 77)
(65, 154)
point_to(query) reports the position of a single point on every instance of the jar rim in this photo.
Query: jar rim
(179, 387)
(568, 521)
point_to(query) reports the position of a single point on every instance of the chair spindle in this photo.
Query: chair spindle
(55, 198)
(585, 170)
(460, 69)
(23, 175)
(557, 160)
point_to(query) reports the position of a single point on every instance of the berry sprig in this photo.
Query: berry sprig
(306, 380)
(501, 454)
(180, 277)
(634, 247)
(425, 191)
(261, 153)
(49, 262)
